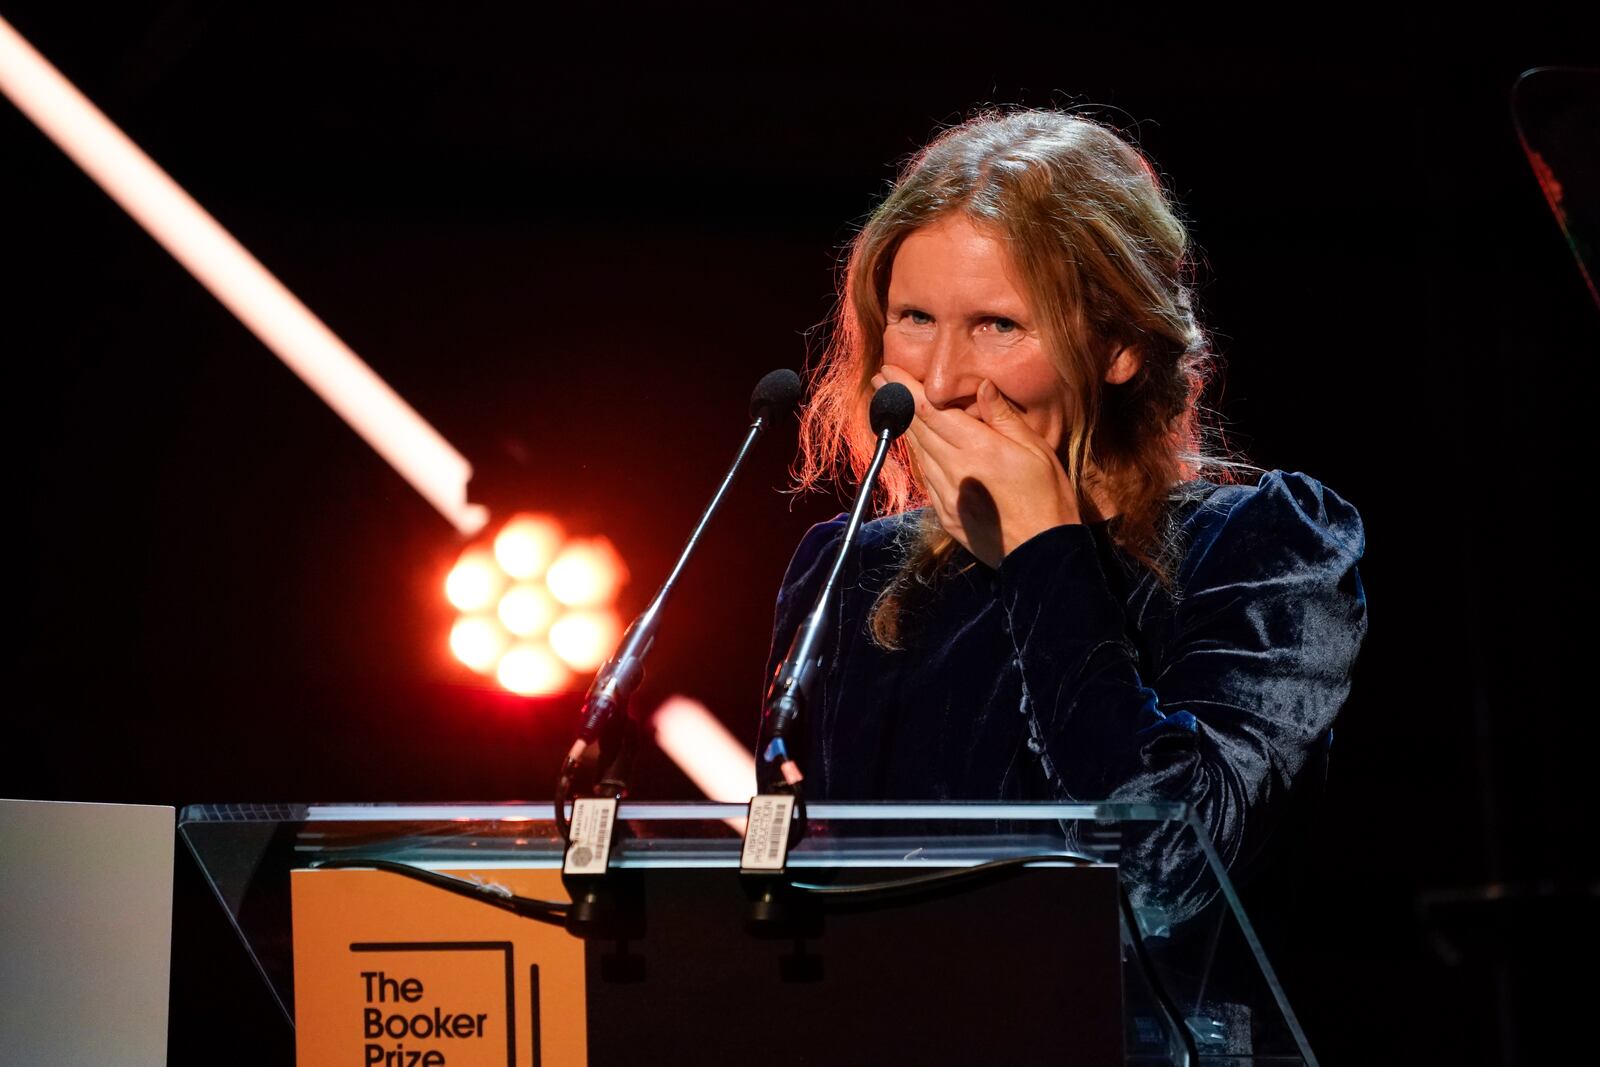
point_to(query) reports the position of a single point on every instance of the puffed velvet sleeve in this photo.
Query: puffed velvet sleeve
(1247, 672)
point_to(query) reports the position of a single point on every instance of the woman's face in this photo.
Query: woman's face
(957, 315)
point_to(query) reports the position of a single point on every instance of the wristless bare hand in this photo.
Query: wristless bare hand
(993, 481)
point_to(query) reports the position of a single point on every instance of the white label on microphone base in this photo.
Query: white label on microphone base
(766, 835)
(594, 823)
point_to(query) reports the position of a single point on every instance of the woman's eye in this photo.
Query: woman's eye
(1003, 325)
(919, 318)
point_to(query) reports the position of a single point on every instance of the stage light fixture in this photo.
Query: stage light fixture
(536, 606)
(325, 363)
(586, 574)
(525, 546)
(528, 609)
(478, 641)
(531, 669)
(585, 638)
(475, 581)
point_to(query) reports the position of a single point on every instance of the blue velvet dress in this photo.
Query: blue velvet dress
(1072, 673)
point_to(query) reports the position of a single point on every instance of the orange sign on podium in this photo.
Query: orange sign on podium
(390, 972)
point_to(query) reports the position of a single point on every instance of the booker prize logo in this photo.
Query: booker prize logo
(437, 1003)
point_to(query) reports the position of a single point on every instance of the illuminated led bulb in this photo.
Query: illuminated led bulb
(528, 610)
(478, 641)
(585, 638)
(532, 670)
(526, 545)
(475, 581)
(586, 574)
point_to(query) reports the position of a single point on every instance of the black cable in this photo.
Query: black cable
(545, 911)
(948, 876)
(565, 794)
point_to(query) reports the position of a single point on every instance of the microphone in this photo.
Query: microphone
(790, 690)
(775, 395)
(891, 413)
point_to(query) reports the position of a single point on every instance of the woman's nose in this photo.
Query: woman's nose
(949, 365)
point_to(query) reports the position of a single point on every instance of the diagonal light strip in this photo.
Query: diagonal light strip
(689, 734)
(235, 277)
(706, 752)
(697, 742)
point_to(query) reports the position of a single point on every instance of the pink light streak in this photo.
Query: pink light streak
(236, 278)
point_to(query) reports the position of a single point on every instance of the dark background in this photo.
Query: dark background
(575, 248)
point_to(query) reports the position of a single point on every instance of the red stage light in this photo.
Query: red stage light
(585, 638)
(478, 641)
(528, 609)
(532, 670)
(475, 581)
(535, 608)
(526, 545)
(586, 574)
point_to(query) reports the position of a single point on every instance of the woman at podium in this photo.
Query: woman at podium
(1075, 595)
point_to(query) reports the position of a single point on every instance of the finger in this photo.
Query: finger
(952, 424)
(933, 469)
(998, 413)
(922, 408)
(957, 428)
(932, 454)
(946, 453)
(936, 483)
(888, 373)
(925, 411)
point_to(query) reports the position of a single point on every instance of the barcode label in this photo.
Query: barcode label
(589, 851)
(766, 839)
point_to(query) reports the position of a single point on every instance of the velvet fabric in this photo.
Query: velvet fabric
(1072, 673)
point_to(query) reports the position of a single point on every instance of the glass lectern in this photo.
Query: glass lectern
(1078, 954)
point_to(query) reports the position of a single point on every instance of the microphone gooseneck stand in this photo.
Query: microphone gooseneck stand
(777, 772)
(600, 905)
(604, 715)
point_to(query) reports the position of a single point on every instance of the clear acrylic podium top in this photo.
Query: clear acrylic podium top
(1197, 939)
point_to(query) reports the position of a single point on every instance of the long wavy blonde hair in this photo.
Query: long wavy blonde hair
(1105, 263)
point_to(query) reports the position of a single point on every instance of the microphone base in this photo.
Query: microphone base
(608, 907)
(775, 911)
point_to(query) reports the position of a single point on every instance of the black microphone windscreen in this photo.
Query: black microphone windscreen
(775, 395)
(892, 408)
